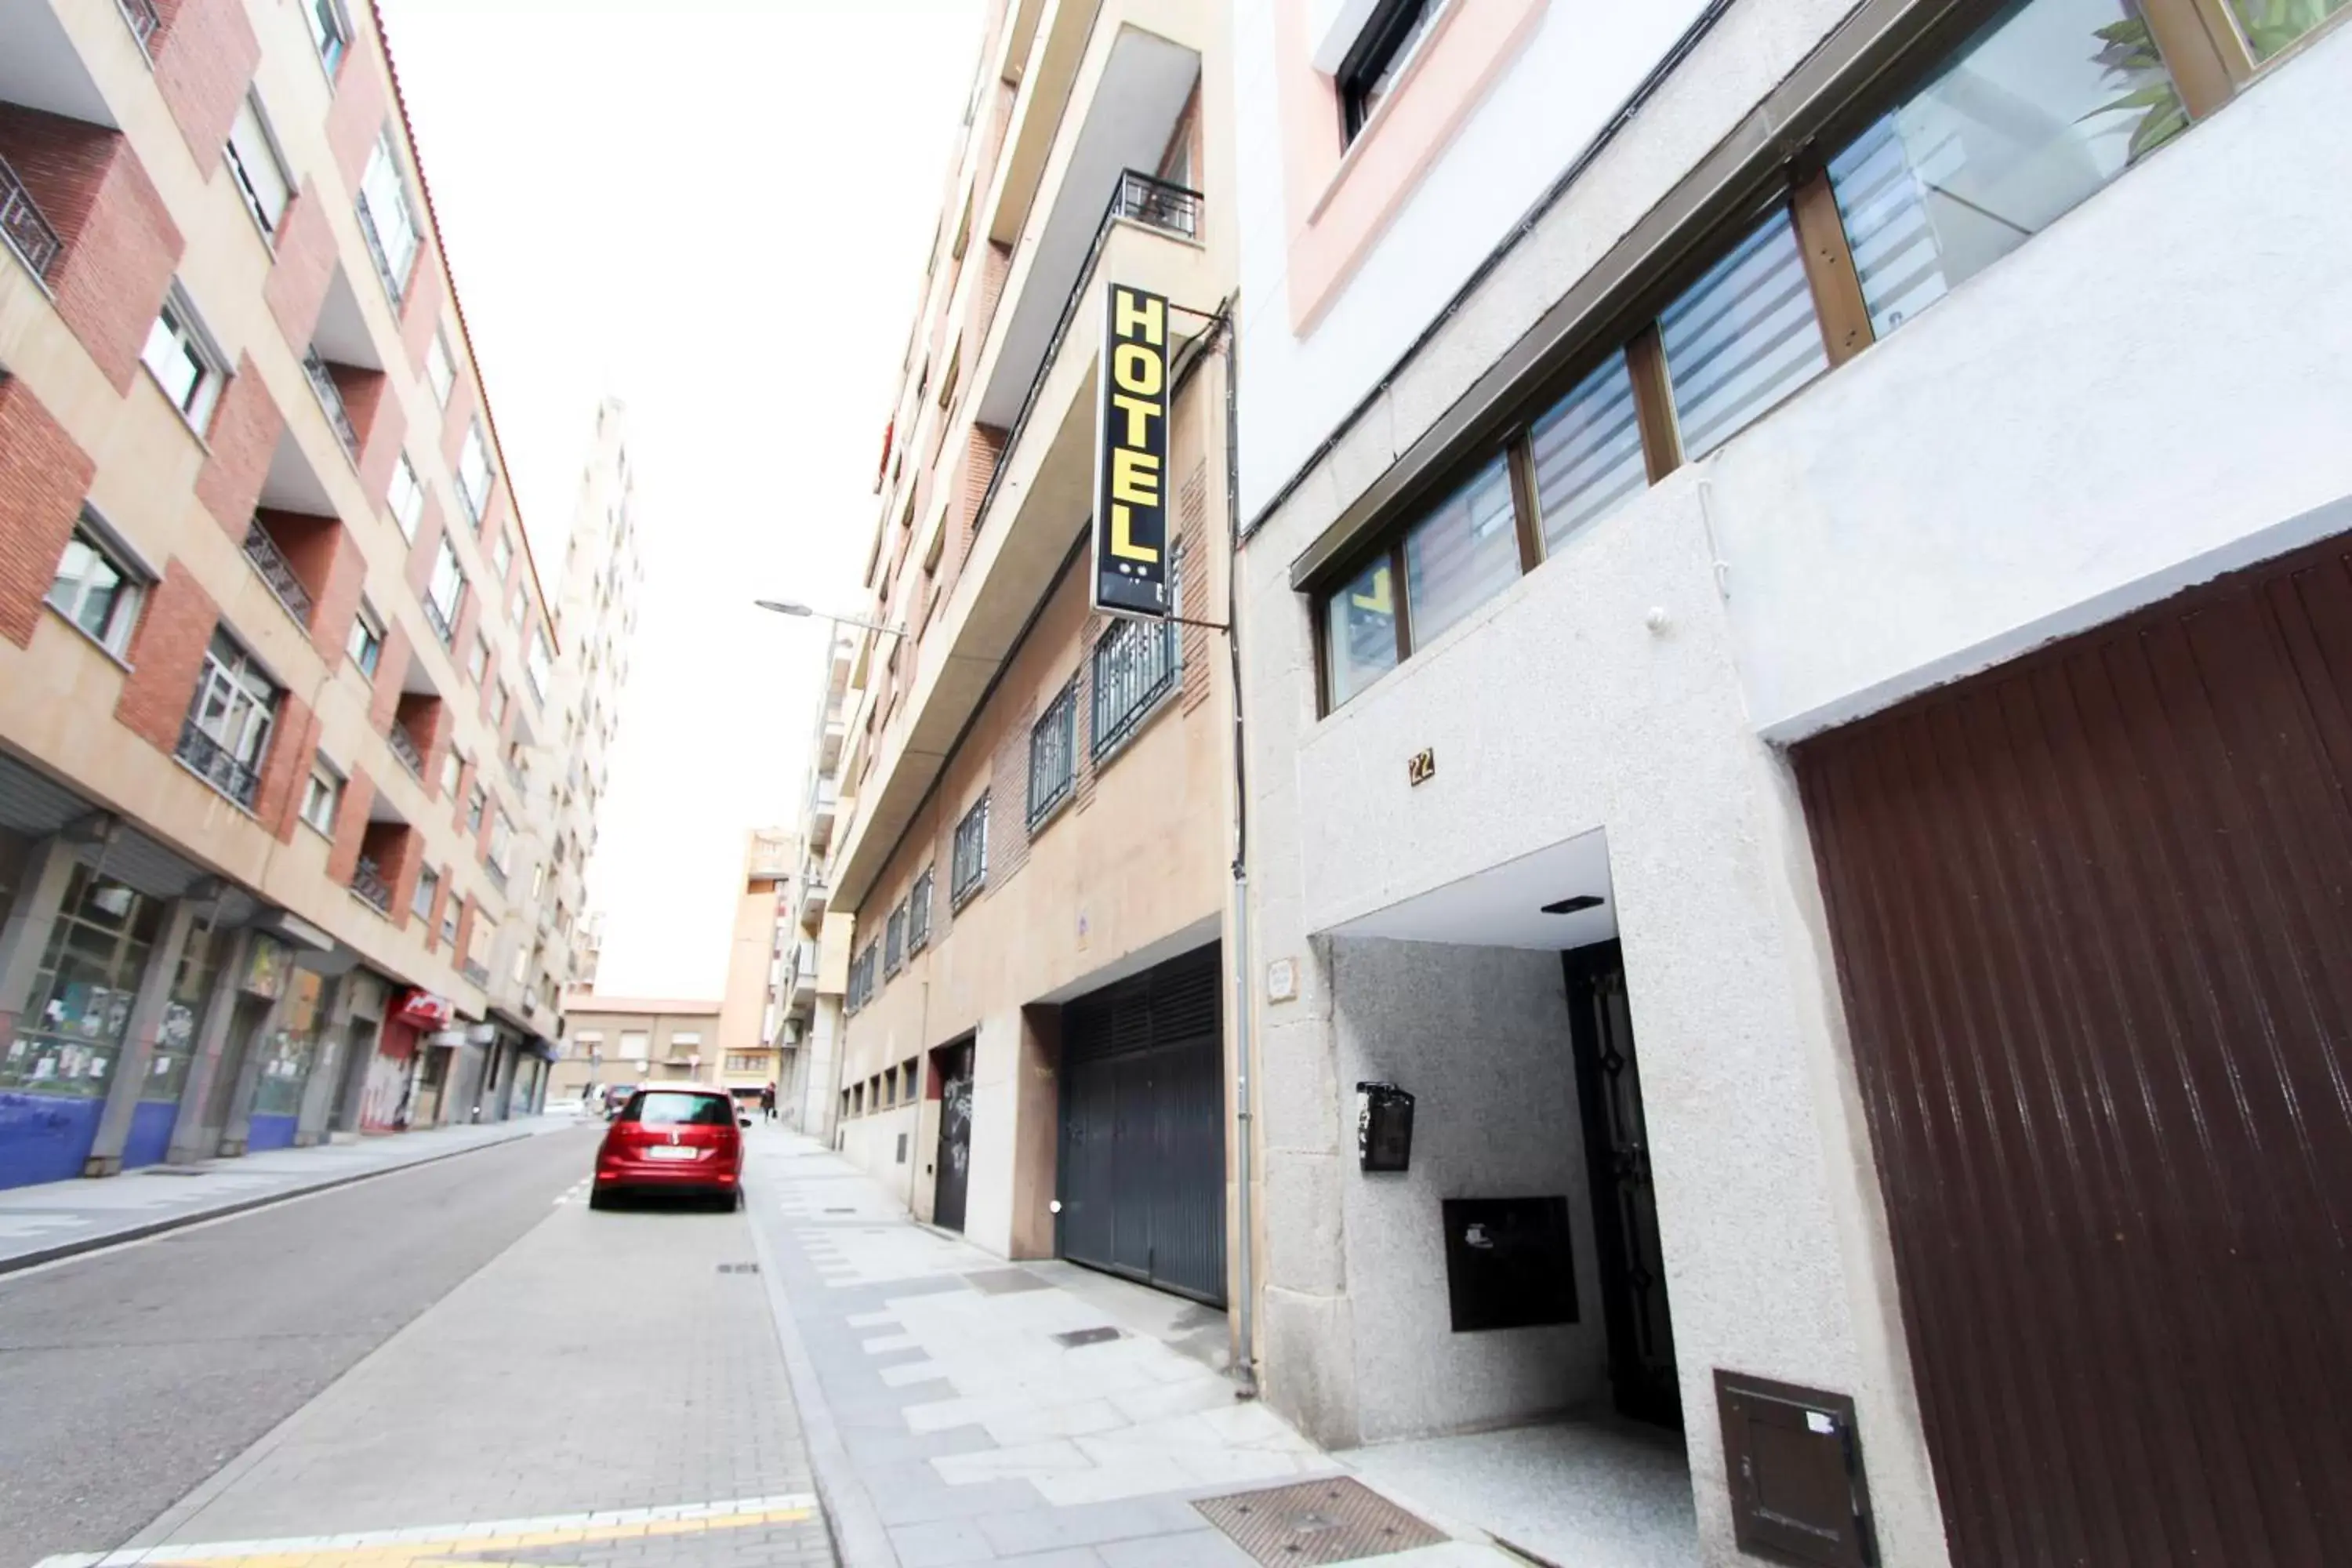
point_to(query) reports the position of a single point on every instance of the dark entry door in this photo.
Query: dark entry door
(1624, 1198)
(1141, 1176)
(2093, 920)
(954, 1178)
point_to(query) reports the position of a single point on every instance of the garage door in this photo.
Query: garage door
(1142, 1169)
(2092, 917)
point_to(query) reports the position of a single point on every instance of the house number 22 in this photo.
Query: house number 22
(1422, 767)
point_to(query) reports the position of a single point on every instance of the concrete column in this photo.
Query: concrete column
(326, 1068)
(138, 1050)
(191, 1138)
(32, 914)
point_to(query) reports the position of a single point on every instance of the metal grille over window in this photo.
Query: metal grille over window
(1587, 451)
(893, 941)
(970, 867)
(1134, 667)
(29, 232)
(1742, 338)
(1054, 754)
(918, 913)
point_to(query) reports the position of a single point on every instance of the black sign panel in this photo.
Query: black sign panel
(1131, 458)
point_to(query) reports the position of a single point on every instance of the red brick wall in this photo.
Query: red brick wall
(357, 117)
(463, 405)
(381, 421)
(43, 477)
(245, 431)
(339, 599)
(422, 312)
(204, 56)
(306, 261)
(121, 246)
(427, 545)
(394, 846)
(427, 720)
(350, 828)
(391, 669)
(293, 737)
(166, 657)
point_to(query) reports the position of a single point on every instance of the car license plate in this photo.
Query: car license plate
(672, 1151)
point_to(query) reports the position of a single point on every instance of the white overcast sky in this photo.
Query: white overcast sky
(717, 213)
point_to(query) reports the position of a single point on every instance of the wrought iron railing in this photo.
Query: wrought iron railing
(330, 399)
(218, 765)
(276, 571)
(140, 15)
(477, 972)
(29, 233)
(368, 883)
(1160, 203)
(403, 746)
(1134, 666)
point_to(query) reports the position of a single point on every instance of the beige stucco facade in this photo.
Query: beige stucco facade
(635, 1040)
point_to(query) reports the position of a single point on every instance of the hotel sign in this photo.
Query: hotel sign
(1131, 528)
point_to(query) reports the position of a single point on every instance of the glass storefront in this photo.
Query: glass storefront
(287, 1056)
(183, 1015)
(71, 1030)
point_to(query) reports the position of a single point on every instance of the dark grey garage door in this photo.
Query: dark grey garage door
(1142, 1169)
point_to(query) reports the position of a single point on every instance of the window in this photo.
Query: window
(329, 31)
(453, 770)
(428, 888)
(518, 607)
(387, 218)
(321, 796)
(1586, 453)
(181, 356)
(1741, 338)
(95, 590)
(440, 372)
(664, 1108)
(260, 171)
(445, 595)
(2019, 125)
(2271, 25)
(499, 702)
(478, 662)
(538, 664)
(969, 868)
(634, 1044)
(228, 724)
(910, 1073)
(1134, 667)
(501, 841)
(1393, 31)
(405, 497)
(1462, 553)
(918, 913)
(893, 941)
(1054, 754)
(502, 556)
(449, 917)
(474, 473)
(366, 642)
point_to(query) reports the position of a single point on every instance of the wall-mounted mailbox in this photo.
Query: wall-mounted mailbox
(1509, 1263)
(1383, 1127)
(1794, 1460)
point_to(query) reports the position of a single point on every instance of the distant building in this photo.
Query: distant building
(750, 1055)
(633, 1040)
(817, 953)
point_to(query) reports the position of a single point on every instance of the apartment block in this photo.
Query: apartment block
(1032, 819)
(815, 954)
(275, 661)
(632, 1041)
(1794, 582)
(751, 1056)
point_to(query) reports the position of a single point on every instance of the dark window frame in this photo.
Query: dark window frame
(1387, 33)
(918, 913)
(894, 939)
(968, 867)
(1057, 726)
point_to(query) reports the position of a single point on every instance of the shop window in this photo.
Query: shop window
(98, 589)
(1586, 453)
(287, 1057)
(66, 1041)
(1461, 554)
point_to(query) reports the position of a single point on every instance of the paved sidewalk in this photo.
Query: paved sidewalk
(950, 1424)
(59, 1219)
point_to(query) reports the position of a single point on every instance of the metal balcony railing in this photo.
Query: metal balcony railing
(330, 399)
(142, 18)
(218, 765)
(29, 233)
(403, 746)
(369, 885)
(1157, 202)
(276, 571)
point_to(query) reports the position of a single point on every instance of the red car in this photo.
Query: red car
(687, 1141)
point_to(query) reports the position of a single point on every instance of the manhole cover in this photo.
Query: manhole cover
(1316, 1521)
(1004, 1282)
(1077, 1337)
(739, 1268)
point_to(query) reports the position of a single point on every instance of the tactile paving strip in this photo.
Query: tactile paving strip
(1316, 1521)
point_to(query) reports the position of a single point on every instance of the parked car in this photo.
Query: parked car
(682, 1141)
(612, 1098)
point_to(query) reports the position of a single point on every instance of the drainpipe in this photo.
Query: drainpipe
(1245, 1323)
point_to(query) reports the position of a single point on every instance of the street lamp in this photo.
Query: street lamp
(787, 608)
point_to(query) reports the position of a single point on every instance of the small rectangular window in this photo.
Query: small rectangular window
(229, 720)
(98, 590)
(329, 31)
(1054, 754)
(474, 473)
(366, 643)
(321, 796)
(518, 607)
(1741, 338)
(428, 888)
(893, 941)
(502, 555)
(918, 913)
(1462, 553)
(1360, 630)
(501, 841)
(405, 497)
(1586, 453)
(260, 171)
(440, 372)
(388, 218)
(478, 662)
(1391, 35)
(500, 700)
(477, 805)
(181, 356)
(538, 664)
(1134, 666)
(445, 592)
(969, 869)
(453, 771)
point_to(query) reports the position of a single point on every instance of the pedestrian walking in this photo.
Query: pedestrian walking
(768, 1102)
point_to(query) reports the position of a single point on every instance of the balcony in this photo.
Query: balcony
(331, 402)
(29, 233)
(477, 972)
(369, 887)
(824, 805)
(218, 765)
(277, 572)
(814, 898)
(403, 746)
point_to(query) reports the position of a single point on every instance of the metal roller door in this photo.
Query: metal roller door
(1142, 1168)
(2093, 918)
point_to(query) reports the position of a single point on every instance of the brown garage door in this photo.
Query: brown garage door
(2093, 916)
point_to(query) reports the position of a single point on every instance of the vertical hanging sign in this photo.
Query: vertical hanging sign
(1130, 528)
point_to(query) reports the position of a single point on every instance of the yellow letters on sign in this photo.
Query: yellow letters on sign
(1133, 482)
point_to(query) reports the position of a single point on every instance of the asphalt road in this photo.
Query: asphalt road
(128, 1377)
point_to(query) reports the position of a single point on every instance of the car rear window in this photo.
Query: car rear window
(666, 1109)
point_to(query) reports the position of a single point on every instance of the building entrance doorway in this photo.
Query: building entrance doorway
(1641, 1376)
(953, 1067)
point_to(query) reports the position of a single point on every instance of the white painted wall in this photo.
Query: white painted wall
(1582, 61)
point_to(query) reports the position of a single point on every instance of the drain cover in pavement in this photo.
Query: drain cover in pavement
(1316, 1521)
(1078, 1337)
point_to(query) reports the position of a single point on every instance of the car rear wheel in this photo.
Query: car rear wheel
(599, 1199)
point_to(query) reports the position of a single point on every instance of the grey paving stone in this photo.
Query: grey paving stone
(1085, 1524)
(1191, 1549)
(940, 1543)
